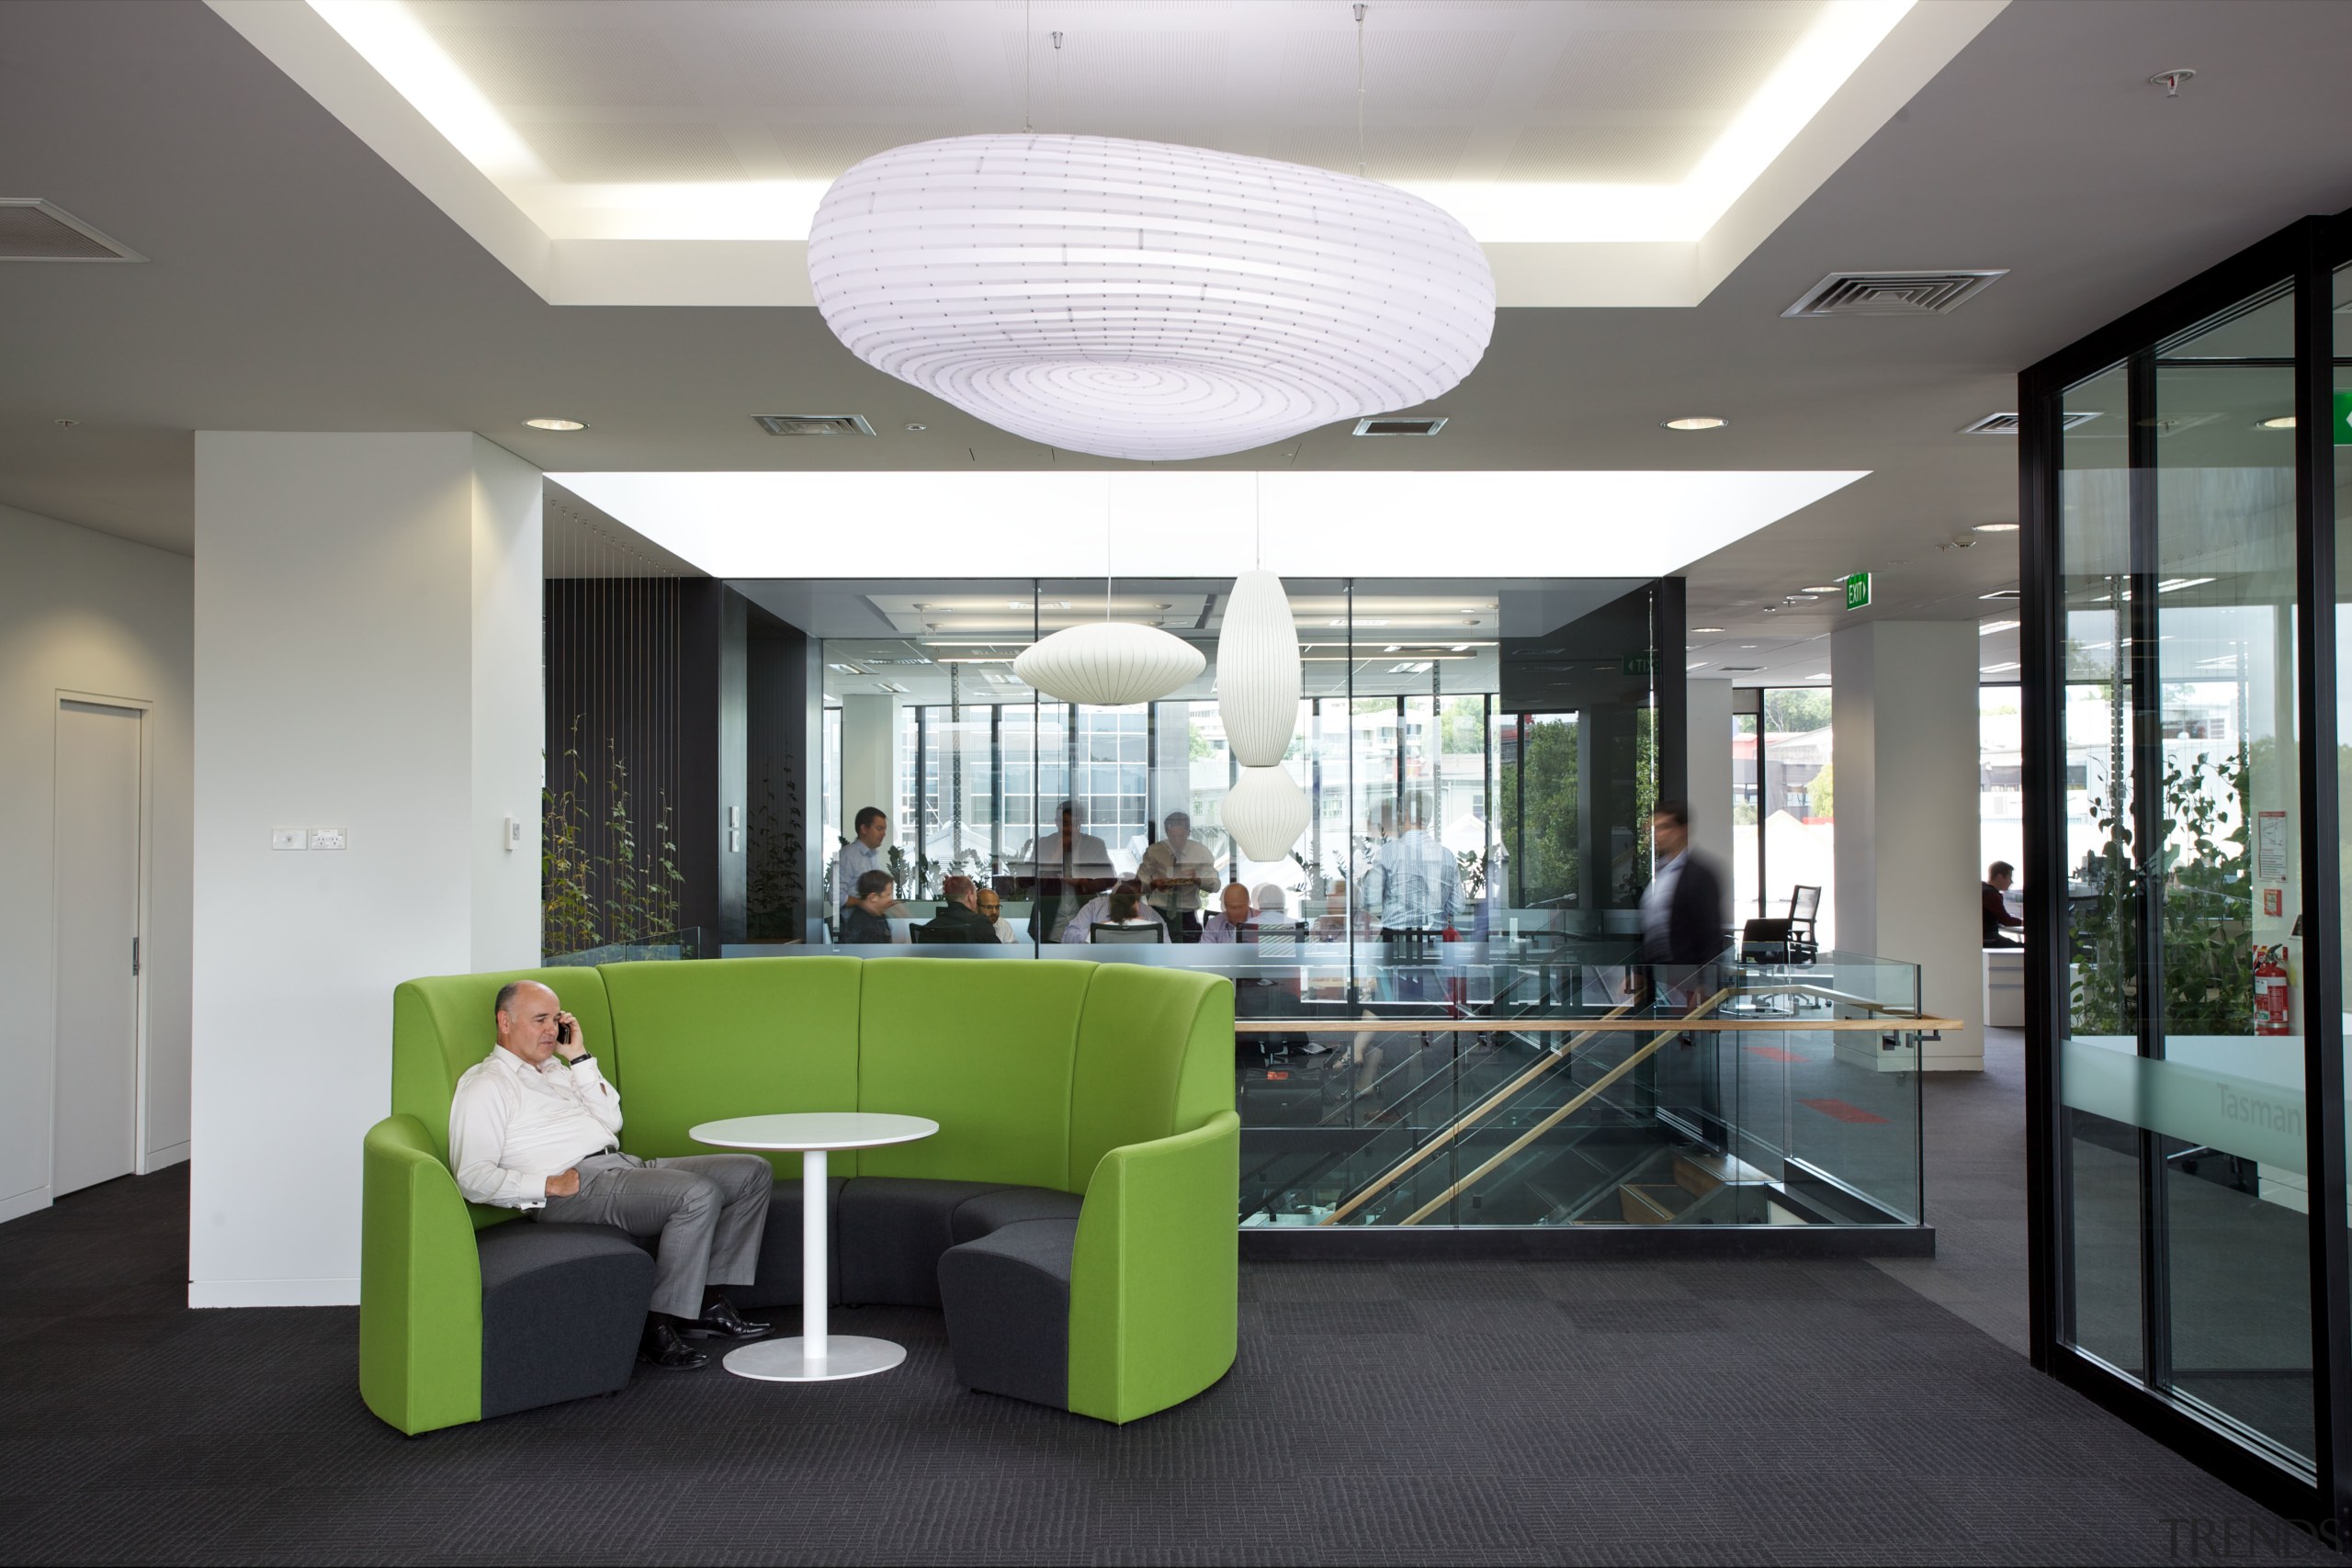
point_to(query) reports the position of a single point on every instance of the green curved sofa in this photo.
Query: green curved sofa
(1088, 1153)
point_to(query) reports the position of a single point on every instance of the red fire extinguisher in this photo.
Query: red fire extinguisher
(2270, 990)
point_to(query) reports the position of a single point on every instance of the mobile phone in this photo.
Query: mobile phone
(563, 1032)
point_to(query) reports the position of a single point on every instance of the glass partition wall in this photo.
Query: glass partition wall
(2184, 868)
(1515, 727)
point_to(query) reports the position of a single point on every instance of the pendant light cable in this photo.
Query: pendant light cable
(1361, 9)
(1057, 80)
(1028, 40)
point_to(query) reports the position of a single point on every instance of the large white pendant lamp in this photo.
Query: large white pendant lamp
(1258, 670)
(1109, 664)
(1136, 299)
(1265, 811)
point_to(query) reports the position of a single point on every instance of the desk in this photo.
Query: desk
(813, 1356)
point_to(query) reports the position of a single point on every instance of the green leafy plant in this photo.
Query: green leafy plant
(603, 881)
(2199, 880)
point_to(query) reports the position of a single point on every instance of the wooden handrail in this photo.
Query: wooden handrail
(1565, 1111)
(1455, 1128)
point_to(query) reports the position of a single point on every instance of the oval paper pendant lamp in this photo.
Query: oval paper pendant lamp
(1265, 811)
(1139, 300)
(1258, 670)
(1109, 664)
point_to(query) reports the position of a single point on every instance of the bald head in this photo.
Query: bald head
(528, 1015)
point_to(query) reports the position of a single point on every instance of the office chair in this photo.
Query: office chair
(1804, 906)
(1104, 931)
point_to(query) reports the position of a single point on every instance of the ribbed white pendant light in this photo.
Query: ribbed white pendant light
(1109, 664)
(1136, 299)
(1265, 811)
(1258, 669)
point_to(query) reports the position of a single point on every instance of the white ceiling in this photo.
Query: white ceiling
(300, 282)
(658, 152)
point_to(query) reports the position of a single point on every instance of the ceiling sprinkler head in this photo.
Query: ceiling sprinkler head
(2170, 80)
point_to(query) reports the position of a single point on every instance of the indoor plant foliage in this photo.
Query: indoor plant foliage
(599, 884)
(2200, 880)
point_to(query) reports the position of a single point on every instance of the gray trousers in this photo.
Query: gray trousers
(709, 1209)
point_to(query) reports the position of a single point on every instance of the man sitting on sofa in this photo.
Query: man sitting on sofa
(535, 1126)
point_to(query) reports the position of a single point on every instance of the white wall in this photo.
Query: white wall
(367, 631)
(1903, 711)
(869, 763)
(82, 612)
(1707, 746)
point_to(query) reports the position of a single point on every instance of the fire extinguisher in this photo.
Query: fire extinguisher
(2270, 990)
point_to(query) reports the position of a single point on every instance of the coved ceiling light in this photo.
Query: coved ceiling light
(1136, 299)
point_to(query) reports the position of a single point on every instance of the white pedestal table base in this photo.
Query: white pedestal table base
(787, 1360)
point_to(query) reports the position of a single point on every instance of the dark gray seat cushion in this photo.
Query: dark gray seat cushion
(976, 1217)
(891, 1230)
(562, 1309)
(1007, 1300)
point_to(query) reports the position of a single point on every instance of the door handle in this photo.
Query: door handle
(134, 955)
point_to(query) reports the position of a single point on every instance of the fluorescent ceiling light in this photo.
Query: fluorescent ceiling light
(386, 35)
(1996, 528)
(1989, 627)
(1191, 524)
(2170, 583)
(1703, 631)
(1822, 675)
(1827, 588)
(1998, 669)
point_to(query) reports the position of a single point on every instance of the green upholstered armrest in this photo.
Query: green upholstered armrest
(420, 1284)
(1155, 1276)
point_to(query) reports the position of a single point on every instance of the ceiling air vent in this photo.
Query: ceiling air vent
(813, 424)
(1400, 426)
(1892, 293)
(2006, 424)
(34, 229)
(1741, 668)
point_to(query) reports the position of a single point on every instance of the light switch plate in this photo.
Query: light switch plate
(513, 834)
(288, 839)
(326, 838)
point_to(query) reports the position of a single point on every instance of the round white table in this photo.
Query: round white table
(813, 1356)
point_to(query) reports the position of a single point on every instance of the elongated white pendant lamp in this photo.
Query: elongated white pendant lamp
(1265, 811)
(1137, 299)
(1258, 670)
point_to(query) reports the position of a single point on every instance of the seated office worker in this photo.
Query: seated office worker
(1082, 925)
(865, 919)
(535, 1126)
(992, 910)
(959, 915)
(1999, 921)
(1233, 915)
(1124, 907)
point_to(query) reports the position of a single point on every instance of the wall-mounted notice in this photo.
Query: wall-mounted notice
(2271, 846)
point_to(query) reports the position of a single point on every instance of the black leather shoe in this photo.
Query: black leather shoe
(661, 1347)
(719, 1320)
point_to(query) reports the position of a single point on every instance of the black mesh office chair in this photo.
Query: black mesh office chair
(1151, 933)
(1805, 905)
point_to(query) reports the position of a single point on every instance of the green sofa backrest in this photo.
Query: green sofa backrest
(1034, 1068)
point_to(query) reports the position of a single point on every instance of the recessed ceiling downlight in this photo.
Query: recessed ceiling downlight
(2283, 421)
(1697, 422)
(552, 424)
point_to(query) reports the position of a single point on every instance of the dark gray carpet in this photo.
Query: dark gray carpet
(1735, 1412)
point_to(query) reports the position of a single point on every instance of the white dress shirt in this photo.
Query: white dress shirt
(1097, 909)
(855, 862)
(1192, 868)
(1005, 932)
(1421, 882)
(513, 1126)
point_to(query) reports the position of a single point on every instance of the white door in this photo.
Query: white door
(95, 1132)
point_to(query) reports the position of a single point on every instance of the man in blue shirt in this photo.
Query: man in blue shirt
(862, 854)
(1420, 882)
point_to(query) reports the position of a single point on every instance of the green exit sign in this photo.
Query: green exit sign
(2343, 422)
(1858, 590)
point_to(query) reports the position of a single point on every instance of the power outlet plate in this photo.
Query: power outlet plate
(326, 838)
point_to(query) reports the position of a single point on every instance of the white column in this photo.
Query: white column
(1904, 751)
(1707, 748)
(367, 616)
(869, 760)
